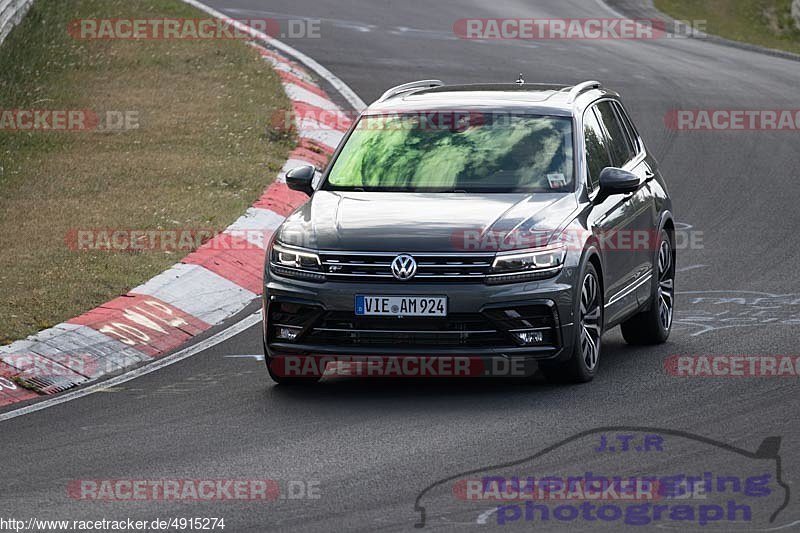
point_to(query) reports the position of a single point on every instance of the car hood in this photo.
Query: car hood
(424, 222)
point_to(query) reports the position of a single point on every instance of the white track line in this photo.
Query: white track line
(348, 93)
(157, 364)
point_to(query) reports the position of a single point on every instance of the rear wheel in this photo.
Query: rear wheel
(582, 364)
(653, 326)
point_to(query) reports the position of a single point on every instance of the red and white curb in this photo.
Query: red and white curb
(211, 284)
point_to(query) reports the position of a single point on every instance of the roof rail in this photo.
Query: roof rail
(422, 84)
(580, 88)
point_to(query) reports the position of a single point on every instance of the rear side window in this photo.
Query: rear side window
(597, 156)
(619, 143)
(632, 134)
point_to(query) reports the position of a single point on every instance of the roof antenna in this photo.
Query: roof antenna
(521, 80)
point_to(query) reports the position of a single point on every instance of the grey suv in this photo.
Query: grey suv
(493, 222)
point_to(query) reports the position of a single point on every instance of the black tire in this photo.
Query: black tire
(582, 364)
(654, 325)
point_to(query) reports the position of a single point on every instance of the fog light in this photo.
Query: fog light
(530, 337)
(288, 334)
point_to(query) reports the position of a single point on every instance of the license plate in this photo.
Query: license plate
(401, 305)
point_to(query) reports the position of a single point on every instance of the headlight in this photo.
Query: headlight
(295, 263)
(527, 265)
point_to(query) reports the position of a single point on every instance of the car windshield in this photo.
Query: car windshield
(456, 151)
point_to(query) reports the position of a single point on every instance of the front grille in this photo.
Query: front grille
(342, 328)
(355, 267)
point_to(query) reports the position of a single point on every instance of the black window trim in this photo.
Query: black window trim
(633, 146)
(591, 109)
(630, 128)
(633, 135)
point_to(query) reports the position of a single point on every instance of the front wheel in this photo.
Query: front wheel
(582, 364)
(654, 325)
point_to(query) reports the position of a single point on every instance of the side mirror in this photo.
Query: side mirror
(300, 178)
(616, 181)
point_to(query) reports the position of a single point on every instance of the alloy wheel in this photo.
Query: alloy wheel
(590, 321)
(666, 285)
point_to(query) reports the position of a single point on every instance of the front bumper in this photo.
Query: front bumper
(481, 322)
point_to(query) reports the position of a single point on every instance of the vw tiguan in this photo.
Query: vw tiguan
(512, 222)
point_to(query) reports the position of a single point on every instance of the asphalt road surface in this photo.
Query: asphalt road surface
(371, 447)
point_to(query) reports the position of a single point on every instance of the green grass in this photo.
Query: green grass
(765, 23)
(201, 155)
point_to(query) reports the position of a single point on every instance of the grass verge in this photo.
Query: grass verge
(202, 153)
(766, 23)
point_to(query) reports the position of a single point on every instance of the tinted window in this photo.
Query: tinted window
(618, 142)
(456, 151)
(631, 131)
(597, 157)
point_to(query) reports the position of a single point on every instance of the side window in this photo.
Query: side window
(632, 134)
(618, 142)
(597, 157)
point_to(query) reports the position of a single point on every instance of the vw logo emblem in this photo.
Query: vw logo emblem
(404, 267)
